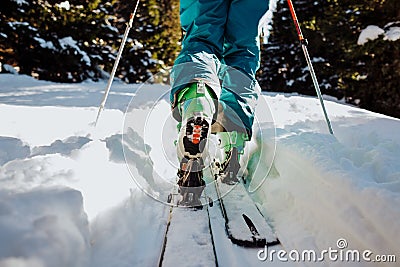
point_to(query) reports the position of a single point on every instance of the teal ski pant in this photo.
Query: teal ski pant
(221, 46)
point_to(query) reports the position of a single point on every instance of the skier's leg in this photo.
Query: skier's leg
(195, 85)
(238, 99)
(202, 46)
(240, 89)
(242, 52)
(204, 24)
(242, 43)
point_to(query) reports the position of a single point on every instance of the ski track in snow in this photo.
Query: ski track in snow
(67, 197)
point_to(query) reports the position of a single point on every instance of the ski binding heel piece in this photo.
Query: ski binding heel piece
(191, 183)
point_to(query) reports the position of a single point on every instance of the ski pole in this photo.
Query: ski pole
(110, 80)
(304, 43)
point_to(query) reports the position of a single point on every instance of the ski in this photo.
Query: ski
(188, 234)
(244, 223)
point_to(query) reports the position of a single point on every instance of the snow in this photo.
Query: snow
(393, 34)
(70, 42)
(198, 239)
(15, 24)
(64, 5)
(67, 197)
(8, 68)
(373, 32)
(46, 226)
(65, 43)
(21, 2)
(44, 44)
(266, 21)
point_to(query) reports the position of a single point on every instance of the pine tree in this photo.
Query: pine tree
(366, 75)
(374, 79)
(79, 40)
(157, 25)
(283, 66)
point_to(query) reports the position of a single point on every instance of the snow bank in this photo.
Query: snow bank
(43, 227)
(12, 148)
(326, 188)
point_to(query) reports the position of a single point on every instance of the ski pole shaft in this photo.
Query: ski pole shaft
(303, 43)
(317, 89)
(121, 48)
(296, 22)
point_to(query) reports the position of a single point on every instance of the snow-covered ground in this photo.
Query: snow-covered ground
(72, 194)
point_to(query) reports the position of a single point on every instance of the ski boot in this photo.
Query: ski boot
(232, 147)
(196, 107)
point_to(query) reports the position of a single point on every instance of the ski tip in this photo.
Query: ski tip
(273, 243)
(256, 242)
